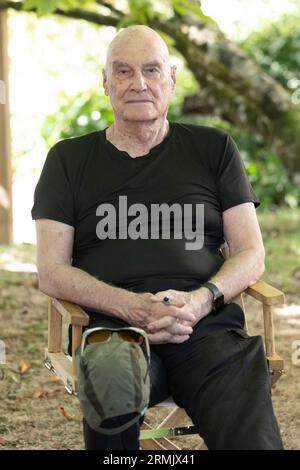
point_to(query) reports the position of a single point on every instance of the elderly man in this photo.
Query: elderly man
(200, 353)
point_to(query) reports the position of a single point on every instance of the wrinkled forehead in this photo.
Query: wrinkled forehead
(137, 50)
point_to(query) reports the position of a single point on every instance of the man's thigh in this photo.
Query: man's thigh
(223, 383)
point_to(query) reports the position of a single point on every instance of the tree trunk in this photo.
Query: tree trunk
(6, 228)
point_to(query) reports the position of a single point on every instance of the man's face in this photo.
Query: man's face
(139, 79)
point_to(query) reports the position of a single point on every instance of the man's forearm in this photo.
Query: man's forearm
(75, 285)
(238, 272)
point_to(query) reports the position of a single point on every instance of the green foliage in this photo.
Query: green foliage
(276, 48)
(138, 11)
(191, 7)
(78, 115)
(43, 7)
(266, 173)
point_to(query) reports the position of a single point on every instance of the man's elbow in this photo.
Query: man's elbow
(260, 269)
(259, 266)
(45, 283)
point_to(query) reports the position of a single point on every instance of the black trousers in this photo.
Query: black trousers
(221, 380)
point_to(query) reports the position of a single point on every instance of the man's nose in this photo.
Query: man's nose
(138, 82)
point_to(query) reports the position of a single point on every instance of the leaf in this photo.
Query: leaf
(24, 365)
(54, 378)
(69, 417)
(45, 7)
(192, 7)
(29, 4)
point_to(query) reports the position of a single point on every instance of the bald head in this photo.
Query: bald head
(133, 37)
(138, 76)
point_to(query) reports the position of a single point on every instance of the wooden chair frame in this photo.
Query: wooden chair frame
(65, 366)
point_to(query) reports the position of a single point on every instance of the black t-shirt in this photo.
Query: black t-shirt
(192, 165)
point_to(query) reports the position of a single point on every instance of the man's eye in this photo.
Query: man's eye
(152, 70)
(123, 72)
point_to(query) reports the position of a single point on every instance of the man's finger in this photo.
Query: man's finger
(171, 324)
(171, 301)
(182, 314)
(165, 337)
(159, 337)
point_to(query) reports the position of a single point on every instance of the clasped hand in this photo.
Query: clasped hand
(181, 313)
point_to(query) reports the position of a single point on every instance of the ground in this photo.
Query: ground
(36, 412)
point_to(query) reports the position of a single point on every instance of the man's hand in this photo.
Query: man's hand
(145, 311)
(197, 303)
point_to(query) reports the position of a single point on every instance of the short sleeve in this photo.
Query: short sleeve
(233, 184)
(53, 196)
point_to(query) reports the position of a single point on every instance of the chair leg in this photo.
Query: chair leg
(269, 330)
(54, 328)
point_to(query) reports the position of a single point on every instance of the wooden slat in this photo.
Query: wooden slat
(202, 445)
(174, 418)
(72, 313)
(269, 330)
(151, 444)
(276, 362)
(62, 367)
(265, 293)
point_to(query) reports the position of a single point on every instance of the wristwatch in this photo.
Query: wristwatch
(218, 296)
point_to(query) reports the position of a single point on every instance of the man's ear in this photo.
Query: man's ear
(173, 76)
(104, 81)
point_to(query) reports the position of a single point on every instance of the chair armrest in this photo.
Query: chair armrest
(71, 312)
(265, 293)
(269, 296)
(57, 311)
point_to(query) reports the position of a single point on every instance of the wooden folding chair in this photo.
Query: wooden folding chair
(159, 437)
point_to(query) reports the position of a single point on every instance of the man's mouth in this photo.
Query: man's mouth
(139, 101)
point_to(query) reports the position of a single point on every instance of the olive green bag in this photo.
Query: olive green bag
(113, 376)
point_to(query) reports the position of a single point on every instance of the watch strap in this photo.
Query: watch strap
(218, 297)
(213, 289)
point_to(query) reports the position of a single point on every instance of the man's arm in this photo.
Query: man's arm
(246, 262)
(58, 278)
